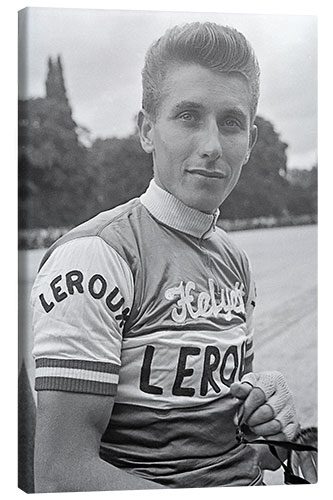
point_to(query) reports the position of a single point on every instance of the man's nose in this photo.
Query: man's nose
(211, 147)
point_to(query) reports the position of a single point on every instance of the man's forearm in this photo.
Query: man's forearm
(88, 474)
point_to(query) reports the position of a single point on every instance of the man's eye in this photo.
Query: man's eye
(187, 116)
(230, 122)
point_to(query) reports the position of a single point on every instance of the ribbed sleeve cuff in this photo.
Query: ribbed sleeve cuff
(74, 375)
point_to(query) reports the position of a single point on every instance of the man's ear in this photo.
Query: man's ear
(252, 141)
(145, 126)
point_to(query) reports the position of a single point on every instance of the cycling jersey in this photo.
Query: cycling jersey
(152, 303)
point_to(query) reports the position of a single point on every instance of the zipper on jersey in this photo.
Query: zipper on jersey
(216, 216)
(212, 226)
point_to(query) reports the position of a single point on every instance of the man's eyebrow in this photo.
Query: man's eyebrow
(187, 104)
(237, 112)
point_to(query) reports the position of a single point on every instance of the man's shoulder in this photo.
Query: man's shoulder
(231, 247)
(228, 239)
(109, 225)
(107, 219)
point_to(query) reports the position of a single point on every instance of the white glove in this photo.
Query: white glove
(267, 405)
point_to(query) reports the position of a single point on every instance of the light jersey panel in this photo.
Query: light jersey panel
(178, 333)
(178, 369)
(77, 341)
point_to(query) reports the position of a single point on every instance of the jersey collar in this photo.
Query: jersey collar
(174, 213)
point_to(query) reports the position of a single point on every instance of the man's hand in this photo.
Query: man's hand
(267, 406)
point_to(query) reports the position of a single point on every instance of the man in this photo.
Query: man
(143, 315)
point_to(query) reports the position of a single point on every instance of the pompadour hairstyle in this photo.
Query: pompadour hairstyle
(216, 47)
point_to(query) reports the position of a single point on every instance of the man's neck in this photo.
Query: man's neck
(172, 212)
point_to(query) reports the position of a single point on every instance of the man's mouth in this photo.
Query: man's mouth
(213, 174)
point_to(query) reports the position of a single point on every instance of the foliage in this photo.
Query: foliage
(303, 191)
(55, 179)
(123, 170)
(262, 187)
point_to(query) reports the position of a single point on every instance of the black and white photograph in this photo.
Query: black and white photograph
(167, 250)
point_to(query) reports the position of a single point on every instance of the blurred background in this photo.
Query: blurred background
(80, 92)
(79, 154)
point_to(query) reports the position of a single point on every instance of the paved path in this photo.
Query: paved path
(284, 262)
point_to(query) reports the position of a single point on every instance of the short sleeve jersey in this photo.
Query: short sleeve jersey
(152, 304)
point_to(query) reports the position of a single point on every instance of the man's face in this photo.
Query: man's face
(202, 135)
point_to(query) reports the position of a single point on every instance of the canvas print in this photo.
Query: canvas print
(167, 250)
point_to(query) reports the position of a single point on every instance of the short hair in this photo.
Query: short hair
(216, 47)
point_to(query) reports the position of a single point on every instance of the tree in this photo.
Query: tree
(262, 187)
(55, 179)
(303, 191)
(123, 169)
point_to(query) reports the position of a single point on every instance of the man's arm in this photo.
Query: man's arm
(68, 434)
